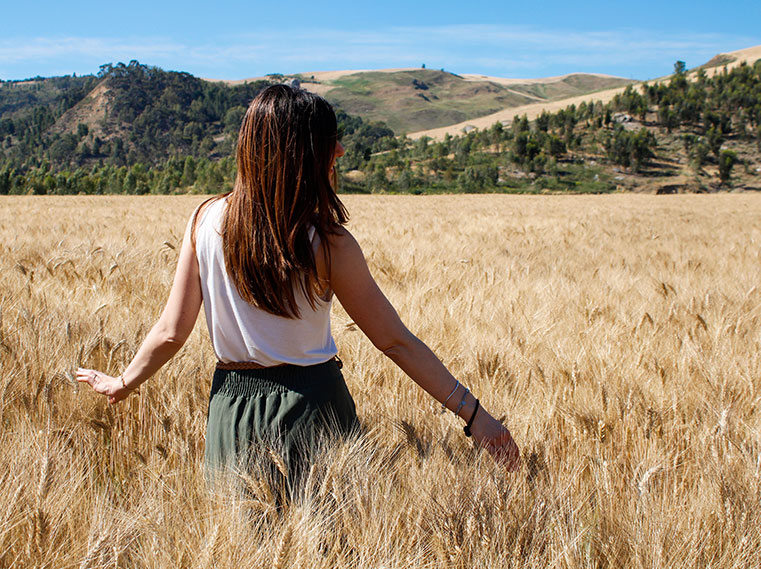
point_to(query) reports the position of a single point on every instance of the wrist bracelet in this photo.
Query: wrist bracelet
(467, 427)
(444, 405)
(124, 385)
(459, 407)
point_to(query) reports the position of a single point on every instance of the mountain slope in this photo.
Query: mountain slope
(414, 99)
(732, 59)
(506, 115)
(729, 60)
(91, 111)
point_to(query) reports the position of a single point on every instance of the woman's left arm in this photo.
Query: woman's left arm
(165, 338)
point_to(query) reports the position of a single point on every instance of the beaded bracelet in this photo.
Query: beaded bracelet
(459, 407)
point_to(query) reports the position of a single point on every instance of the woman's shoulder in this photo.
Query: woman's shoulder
(212, 203)
(340, 238)
(341, 248)
(211, 206)
(204, 212)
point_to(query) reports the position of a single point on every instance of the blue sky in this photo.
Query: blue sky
(235, 40)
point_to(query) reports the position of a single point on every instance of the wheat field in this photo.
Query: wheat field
(617, 335)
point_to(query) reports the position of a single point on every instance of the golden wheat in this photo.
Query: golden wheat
(618, 336)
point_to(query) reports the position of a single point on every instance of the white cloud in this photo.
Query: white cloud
(32, 49)
(494, 49)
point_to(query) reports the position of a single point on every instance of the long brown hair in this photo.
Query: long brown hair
(284, 186)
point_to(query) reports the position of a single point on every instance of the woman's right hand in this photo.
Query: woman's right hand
(495, 438)
(111, 387)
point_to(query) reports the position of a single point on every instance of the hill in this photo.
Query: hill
(137, 114)
(691, 132)
(414, 99)
(139, 129)
(133, 128)
(732, 59)
(123, 115)
(603, 94)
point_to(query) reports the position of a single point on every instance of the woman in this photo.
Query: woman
(265, 260)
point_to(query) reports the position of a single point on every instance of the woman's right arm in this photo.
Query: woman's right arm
(368, 307)
(166, 337)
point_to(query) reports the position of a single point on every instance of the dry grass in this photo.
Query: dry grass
(619, 335)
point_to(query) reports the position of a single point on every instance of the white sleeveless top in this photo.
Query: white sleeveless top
(239, 331)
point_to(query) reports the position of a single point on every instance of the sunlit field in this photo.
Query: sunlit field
(617, 336)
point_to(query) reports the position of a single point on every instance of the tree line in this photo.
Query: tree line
(167, 132)
(564, 149)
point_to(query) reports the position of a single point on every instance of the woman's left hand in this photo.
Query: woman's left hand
(495, 437)
(104, 384)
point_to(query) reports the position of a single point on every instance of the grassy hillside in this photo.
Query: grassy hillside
(570, 86)
(411, 100)
(416, 99)
(680, 135)
(603, 92)
(137, 129)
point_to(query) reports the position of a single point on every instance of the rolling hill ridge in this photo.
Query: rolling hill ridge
(136, 129)
(728, 61)
(413, 99)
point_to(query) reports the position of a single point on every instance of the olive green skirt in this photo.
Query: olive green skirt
(280, 414)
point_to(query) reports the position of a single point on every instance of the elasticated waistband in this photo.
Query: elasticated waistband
(279, 379)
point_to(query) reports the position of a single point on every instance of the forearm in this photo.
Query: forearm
(422, 365)
(419, 362)
(157, 349)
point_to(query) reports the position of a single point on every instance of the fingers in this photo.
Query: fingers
(512, 461)
(103, 384)
(96, 380)
(505, 452)
(89, 376)
(116, 398)
(509, 460)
